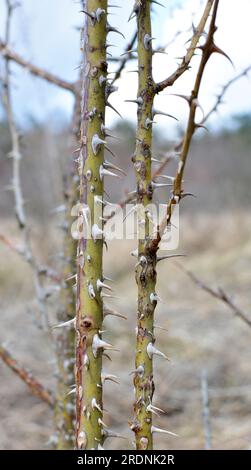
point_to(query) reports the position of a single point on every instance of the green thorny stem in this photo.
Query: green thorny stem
(89, 305)
(146, 266)
(148, 247)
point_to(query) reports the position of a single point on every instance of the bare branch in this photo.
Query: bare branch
(177, 193)
(224, 90)
(219, 294)
(16, 156)
(124, 59)
(34, 385)
(9, 54)
(190, 52)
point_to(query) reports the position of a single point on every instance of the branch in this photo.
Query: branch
(16, 156)
(206, 410)
(224, 90)
(190, 52)
(34, 385)
(9, 54)
(124, 60)
(177, 193)
(219, 294)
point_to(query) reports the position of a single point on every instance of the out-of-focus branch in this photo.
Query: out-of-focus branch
(34, 385)
(124, 59)
(10, 244)
(169, 81)
(16, 156)
(224, 90)
(206, 410)
(219, 294)
(9, 54)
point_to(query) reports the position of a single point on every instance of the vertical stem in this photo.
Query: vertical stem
(89, 428)
(146, 266)
(65, 403)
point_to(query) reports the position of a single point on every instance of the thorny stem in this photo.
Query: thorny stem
(146, 266)
(89, 423)
(178, 193)
(34, 385)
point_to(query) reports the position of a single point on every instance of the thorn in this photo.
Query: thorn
(106, 434)
(149, 122)
(161, 258)
(109, 311)
(135, 253)
(107, 164)
(154, 297)
(139, 371)
(91, 291)
(110, 151)
(156, 112)
(109, 377)
(160, 185)
(153, 409)
(163, 431)
(217, 50)
(147, 41)
(99, 13)
(98, 343)
(67, 323)
(92, 15)
(111, 29)
(114, 109)
(101, 285)
(82, 440)
(96, 405)
(135, 11)
(103, 172)
(151, 351)
(96, 143)
(97, 233)
(138, 101)
(160, 327)
(101, 423)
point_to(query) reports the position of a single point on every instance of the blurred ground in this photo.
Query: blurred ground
(202, 333)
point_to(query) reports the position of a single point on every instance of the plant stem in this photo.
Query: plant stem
(146, 266)
(89, 427)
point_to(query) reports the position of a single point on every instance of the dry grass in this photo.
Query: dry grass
(202, 333)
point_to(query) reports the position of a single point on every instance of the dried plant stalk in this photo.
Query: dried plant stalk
(34, 385)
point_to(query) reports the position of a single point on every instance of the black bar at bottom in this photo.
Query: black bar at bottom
(110, 459)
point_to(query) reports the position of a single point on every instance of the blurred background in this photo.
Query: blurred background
(214, 227)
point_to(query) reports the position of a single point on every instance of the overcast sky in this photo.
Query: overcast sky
(45, 32)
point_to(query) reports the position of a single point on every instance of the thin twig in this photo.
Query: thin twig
(16, 156)
(219, 294)
(9, 54)
(124, 59)
(34, 385)
(177, 193)
(169, 81)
